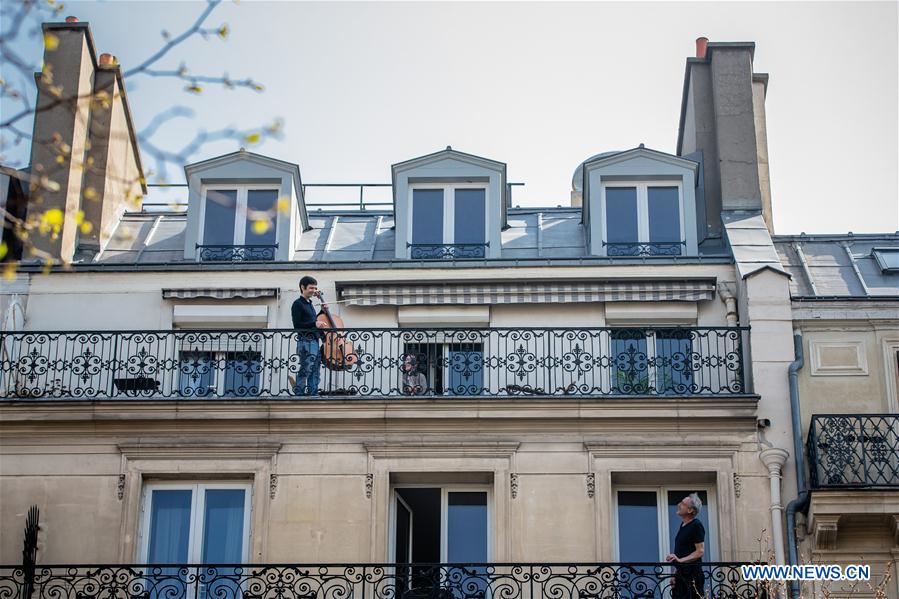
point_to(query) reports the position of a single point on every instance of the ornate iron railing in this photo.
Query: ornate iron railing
(237, 253)
(417, 363)
(381, 581)
(448, 251)
(854, 450)
(656, 248)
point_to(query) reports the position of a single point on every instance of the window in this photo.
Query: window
(447, 368)
(228, 214)
(220, 373)
(646, 524)
(440, 525)
(652, 361)
(448, 222)
(643, 219)
(887, 258)
(200, 523)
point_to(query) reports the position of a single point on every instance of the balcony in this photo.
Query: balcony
(377, 581)
(857, 451)
(379, 363)
(236, 253)
(450, 251)
(660, 248)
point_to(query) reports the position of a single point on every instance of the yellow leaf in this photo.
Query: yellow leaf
(261, 226)
(53, 217)
(51, 42)
(253, 138)
(223, 31)
(283, 205)
(3, 250)
(86, 227)
(9, 272)
(60, 160)
(79, 217)
(196, 89)
(90, 193)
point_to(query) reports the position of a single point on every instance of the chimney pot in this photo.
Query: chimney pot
(702, 46)
(71, 19)
(107, 59)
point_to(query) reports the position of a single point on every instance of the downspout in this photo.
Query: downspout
(800, 504)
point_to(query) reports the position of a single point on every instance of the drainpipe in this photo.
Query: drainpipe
(800, 504)
(774, 458)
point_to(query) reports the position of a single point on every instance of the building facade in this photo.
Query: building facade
(513, 387)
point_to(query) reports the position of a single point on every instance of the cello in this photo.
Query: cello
(337, 350)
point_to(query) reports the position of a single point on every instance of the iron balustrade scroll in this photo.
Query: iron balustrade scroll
(374, 581)
(393, 363)
(854, 450)
(653, 248)
(447, 251)
(237, 253)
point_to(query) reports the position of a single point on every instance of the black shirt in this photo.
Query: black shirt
(303, 314)
(687, 536)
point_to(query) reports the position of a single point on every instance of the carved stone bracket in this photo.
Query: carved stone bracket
(513, 484)
(738, 485)
(120, 487)
(369, 484)
(272, 485)
(826, 528)
(591, 485)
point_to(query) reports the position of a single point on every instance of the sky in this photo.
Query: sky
(539, 86)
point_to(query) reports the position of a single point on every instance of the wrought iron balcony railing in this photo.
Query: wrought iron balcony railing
(854, 450)
(654, 248)
(447, 251)
(415, 363)
(237, 253)
(380, 581)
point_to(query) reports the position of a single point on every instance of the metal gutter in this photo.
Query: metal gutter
(800, 504)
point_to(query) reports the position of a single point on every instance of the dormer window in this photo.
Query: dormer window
(239, 222)
(643, 218)
(449, 205)
(448, 221)
(887, 258)
(640, 202)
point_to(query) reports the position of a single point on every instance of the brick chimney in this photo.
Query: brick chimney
(723, 124)
(84, 154)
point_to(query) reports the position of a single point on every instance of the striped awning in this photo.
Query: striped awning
(520, 293)
(219, 292)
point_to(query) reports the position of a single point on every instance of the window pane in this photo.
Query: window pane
(674, 522)
(427, 216)
(638, 527)
(621, 214)
(242, 370)
(630, 364)
(221, 207)
(169, 526)
(664, 215)
(261, 200)
(467, 527)
(223, 532)
(673, 361)
(197, 373)
(469, 222)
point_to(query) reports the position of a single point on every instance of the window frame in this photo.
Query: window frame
(445, 490)
(642, 188)
(240, 209)
(197, 515)
(449, 210)
(661, 491)
(653, 372)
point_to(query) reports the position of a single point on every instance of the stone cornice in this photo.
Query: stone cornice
(166, 449)
(443, 449)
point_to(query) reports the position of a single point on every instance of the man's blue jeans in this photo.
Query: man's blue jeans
(309, 373)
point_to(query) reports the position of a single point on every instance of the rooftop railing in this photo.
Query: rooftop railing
(854, 451)
(396, 362)
(236, 253)
(381, 581)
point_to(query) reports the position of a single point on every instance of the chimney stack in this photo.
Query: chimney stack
(84, 154)
(702, 45)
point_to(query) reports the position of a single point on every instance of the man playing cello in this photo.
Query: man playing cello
(308, 338)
